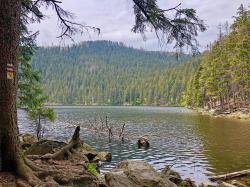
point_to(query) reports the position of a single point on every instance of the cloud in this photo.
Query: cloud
(115, 18)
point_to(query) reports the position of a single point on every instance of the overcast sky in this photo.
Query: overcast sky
(115, 18)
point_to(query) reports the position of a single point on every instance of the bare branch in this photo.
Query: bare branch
(174, 8)
(65, 18)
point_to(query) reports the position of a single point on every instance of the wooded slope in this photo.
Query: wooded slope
(222, 81)
(104, 72)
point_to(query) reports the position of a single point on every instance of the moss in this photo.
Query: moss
(43, 147)
(92, 168)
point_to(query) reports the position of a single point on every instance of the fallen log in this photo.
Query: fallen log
(231, 175)
(225, 184)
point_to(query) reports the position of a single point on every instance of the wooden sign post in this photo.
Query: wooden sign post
(10, 71)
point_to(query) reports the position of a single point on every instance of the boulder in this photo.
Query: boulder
(117, 178)
(188, 183)
(104, 156)
(136, 173)
(172, 175)
(86, 147)
(27, 140)
(88, 151)
(44, 146)
(91, 155)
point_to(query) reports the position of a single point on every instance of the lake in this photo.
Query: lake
(196, 146)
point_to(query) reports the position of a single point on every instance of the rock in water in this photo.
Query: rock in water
(104, 156)
(136, 173)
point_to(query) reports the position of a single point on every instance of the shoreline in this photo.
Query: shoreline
(68, 105)
(238, 115)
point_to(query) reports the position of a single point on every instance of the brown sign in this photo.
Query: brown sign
(10, 71)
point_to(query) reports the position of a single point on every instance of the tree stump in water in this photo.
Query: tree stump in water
(143, 143)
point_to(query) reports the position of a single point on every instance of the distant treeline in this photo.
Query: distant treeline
(109, 73)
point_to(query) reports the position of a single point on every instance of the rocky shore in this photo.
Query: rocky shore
(241, 115)
(83, 168)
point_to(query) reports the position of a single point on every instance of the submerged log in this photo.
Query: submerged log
(231, 175)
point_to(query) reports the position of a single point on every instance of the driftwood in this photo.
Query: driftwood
(231, 175)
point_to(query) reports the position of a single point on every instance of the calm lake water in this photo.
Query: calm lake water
(196, 146)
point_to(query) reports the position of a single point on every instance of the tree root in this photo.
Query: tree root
(65, 152)
(54, 168)
(26, 173)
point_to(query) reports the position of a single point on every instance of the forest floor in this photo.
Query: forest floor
(54, 163)
(7, 179)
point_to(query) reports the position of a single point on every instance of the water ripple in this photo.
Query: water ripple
(178, 138)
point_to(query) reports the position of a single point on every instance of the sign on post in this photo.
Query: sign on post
(10, 71)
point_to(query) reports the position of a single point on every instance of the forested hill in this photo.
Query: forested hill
(109, 73)
(222, 82)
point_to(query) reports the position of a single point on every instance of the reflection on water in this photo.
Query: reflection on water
(226, 143)
(196, 146)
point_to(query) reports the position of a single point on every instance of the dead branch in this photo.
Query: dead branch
(231, 175)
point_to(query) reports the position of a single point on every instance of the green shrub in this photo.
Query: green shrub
(92, 168)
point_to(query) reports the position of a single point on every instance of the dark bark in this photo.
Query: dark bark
(9, 41)
(39, 128)
(12, 159)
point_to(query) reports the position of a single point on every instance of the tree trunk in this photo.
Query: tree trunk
(39, 128)
(9, 41)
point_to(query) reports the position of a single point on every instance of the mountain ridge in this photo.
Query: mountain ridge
(106, 73)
